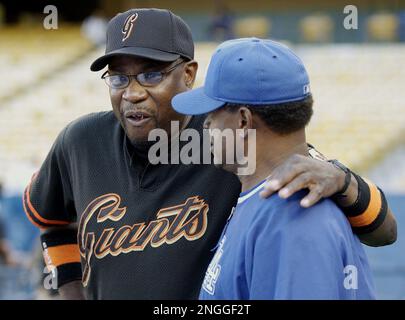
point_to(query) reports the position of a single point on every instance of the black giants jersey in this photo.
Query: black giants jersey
(145, 231)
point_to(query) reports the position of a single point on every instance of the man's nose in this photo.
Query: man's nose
(135, 92)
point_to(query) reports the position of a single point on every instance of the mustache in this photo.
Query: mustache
(137, 108)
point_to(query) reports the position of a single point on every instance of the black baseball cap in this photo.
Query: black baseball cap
(156, 34)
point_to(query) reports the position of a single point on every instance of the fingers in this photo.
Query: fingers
(284, 173)
(269, 188)
(300, 172)
(312, 197)
(304, 181)
(298, 183)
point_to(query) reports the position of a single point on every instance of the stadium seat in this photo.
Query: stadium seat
(257, 26)
(317, 28)
(383, 27)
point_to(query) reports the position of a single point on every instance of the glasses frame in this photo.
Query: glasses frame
(105, 76)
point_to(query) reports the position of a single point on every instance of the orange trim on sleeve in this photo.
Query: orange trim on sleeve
(35, 213)
(372, 211)
(63, 254)
(29, 216)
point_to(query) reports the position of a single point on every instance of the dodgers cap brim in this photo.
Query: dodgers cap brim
(140, 52)
(195, 102)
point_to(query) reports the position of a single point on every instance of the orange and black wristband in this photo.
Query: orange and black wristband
(369, 210)
(61, 255)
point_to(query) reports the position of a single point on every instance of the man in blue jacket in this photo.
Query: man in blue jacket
(273, 249)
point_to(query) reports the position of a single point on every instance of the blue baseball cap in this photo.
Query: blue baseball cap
(248, 71)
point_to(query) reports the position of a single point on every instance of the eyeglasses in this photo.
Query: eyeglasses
(146, 79)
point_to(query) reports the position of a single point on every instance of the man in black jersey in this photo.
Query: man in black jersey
(120, 226)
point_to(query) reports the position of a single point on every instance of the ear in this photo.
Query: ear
(190, 72)
(245, 121)
(245, 118)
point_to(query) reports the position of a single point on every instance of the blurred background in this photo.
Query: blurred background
(357, 79)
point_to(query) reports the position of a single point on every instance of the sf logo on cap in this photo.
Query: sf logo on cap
(129, 25)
